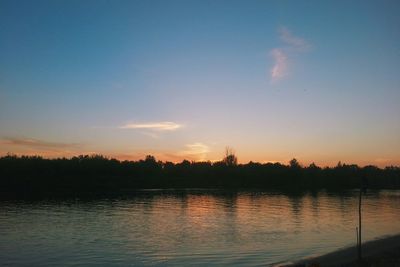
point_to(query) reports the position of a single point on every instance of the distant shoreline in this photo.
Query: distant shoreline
(25, 176)
(383, 251)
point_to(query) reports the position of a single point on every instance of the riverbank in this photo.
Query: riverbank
(32, 176)
(382, 252)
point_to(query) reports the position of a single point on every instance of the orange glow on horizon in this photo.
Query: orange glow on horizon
(177, 158)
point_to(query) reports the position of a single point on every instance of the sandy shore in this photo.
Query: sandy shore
(381, 252)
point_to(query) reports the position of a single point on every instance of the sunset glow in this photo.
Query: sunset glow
(185, 79)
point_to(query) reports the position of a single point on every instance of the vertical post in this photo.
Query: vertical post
(359, 225)
(357, 237)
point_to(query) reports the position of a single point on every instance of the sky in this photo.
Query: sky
(274, 80)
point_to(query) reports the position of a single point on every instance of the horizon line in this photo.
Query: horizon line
(109, 157)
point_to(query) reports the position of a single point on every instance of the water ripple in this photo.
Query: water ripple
(199, 228)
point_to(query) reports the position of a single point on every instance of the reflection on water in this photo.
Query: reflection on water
(189, 228)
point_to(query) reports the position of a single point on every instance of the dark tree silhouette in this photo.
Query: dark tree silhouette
(230, 158)
(294, 164)
(96, 174)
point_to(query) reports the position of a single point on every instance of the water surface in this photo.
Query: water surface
(193, 227)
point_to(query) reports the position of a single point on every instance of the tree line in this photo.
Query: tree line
(25, 175)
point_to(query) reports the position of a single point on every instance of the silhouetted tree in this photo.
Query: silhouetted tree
(339, 164)
(150, 159)
(294, 164)
(230, 158)
(313, 166)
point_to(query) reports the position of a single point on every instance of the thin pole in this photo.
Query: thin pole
(359, 226)
(357, 236)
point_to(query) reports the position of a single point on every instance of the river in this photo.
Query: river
(189, 228)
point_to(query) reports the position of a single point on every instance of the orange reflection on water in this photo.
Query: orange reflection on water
(235, 224)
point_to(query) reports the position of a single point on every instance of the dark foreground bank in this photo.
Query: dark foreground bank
(100, 175)
(383, 252)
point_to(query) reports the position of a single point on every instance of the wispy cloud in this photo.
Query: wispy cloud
(159, 126)
(293, 41)
(291, 44)
(279, 70)
(196, 151)
(35, 143)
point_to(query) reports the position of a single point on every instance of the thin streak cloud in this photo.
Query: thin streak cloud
(35, 143)
(160, 126)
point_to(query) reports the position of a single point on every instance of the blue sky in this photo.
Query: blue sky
(314, 80)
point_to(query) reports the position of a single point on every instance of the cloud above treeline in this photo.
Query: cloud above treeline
(290, 44)
(159, 126)
(34, 147)
(196, 151)
(35, 143)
